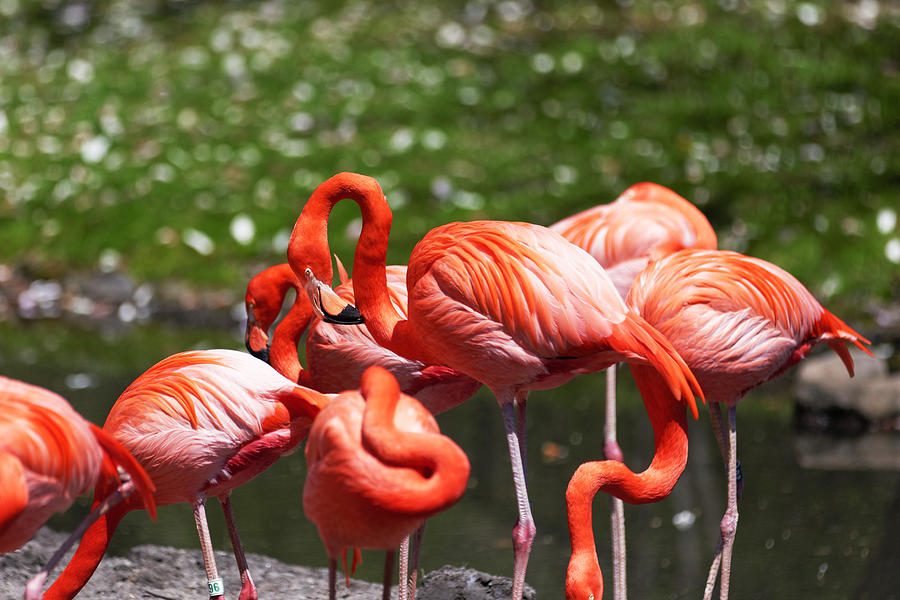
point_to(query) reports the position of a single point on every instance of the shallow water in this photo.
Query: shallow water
(802, 533)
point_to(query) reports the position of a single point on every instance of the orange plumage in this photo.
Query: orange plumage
(200, 423)
(512, 305)
(738, 322)
(50, 455)
(337, 355)
(377, 468)
(645, 222)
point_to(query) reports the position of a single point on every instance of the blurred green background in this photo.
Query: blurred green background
(180, 139)
(175, 143)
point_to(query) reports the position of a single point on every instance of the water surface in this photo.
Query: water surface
(802, 533)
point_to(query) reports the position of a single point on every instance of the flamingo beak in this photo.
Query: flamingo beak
(255, 337)
(328, 305)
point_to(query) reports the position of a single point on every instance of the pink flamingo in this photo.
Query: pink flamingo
(646, 221)
(50, 455)
(377, 467)
(201, 423)
(512, 305)
(584, 580)
(738, 322)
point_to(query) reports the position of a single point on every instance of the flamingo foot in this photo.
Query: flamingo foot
(248, 588)
(35, 587)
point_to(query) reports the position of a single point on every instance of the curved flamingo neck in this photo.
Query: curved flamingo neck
(583, 571)
(309, 248)
(266, 293)
(283, 349)
(435, 471)
(669, 421)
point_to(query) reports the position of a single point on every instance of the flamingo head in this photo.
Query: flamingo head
(262, 311)
(265, 295)
(327, 304)
(256, 337)
(584, 581)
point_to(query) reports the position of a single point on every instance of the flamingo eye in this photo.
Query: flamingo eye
(308, 272)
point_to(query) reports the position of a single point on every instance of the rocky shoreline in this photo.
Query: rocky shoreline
(159, 572)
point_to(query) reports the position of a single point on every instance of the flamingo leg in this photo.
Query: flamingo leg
(35, 586)
(388, 574)
(717, 421)
(524, 530)
(610, 444)
(521, 398)
(415, 547)
(713, 572)
(730, 520)
(728, 525)
(332, 579)
(617, 508)
(719, 429)
(403, 575)
(248, 589)
(209, 558)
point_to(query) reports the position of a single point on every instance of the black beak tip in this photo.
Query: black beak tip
(348, 316)
(262, 355)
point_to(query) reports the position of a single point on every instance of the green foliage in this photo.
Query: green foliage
(151, 129)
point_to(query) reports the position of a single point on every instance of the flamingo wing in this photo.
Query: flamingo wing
(50, 458)
(13, 493)
(186, 417)
(339, 354)
(515, 281)
(741, 318)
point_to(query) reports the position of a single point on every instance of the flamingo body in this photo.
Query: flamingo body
(540, 314)
(200, 423)
(378, 467)
(738, 322)
(205, 422)
(49, 455)
(646, 221)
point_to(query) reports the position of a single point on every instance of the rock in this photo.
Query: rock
(159, 572)
(879, 452)
(458, 583)
(822, 384)
(112, 301)
(111, 288)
